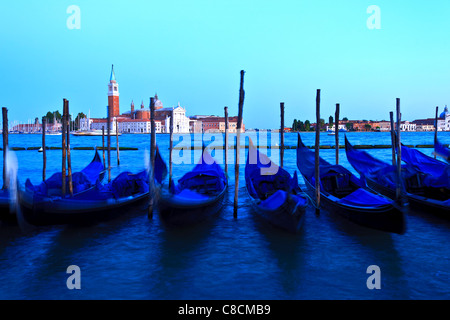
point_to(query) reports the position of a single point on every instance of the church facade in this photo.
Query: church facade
(137, 120)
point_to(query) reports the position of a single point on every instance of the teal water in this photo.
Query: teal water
(132, 257)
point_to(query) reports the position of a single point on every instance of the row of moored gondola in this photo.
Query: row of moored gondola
(275, 195)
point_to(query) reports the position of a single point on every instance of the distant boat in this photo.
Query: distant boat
(331, 133)
(93, 133)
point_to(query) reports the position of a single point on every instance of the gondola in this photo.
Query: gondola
(52, 186)
(273, 193)
(5, 212)
(442, 151)
(92, 200)
(343, 193)
(424, 191)
(197, 196)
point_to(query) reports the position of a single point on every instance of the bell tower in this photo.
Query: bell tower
(113, 95)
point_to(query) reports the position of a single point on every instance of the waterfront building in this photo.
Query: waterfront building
(424, 124)
(137, 120)
(443, 122)
(201, 123)
(385, 126)
(407, 126)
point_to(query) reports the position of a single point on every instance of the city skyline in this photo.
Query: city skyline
(192, 53)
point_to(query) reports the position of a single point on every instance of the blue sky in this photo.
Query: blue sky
(192, 52)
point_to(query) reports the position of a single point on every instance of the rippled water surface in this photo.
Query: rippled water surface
(133, 257)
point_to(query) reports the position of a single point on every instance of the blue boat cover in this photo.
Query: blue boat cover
(359, 197)
(306, 165)
(207, 176)
(94, 169)
(263, 177)
(87, 185)
(275, 201)
(126, 184)
(363, 198)
(437, 172)
(434, 173)
(80, 180)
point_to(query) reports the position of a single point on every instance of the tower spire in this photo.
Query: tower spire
(113, 75)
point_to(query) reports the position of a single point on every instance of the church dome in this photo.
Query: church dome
(444, 113)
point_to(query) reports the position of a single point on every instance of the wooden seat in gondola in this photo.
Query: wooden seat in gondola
(414, 185)
(337, 185)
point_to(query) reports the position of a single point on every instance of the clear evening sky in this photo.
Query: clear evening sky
(192, 52)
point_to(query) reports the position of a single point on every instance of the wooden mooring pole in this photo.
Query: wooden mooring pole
(117, 142)
(69, 159)
(435, 128)
(336, 131)
(152, 159)
(393, 139)
(170, 148)
(5, 148)
(399, 150)
(108, 141)
(282, 134)
(44, 152)
(238, 144)
(316, 162)
(103, 146)
(226, 140)
(63, 135)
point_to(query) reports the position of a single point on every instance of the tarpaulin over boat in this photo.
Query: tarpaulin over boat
(363, 198)
(206, 175)
(277, 199)
(124, 185)
(423, 162)
(265, 176)
(306, 165)
(438, 172)
(94, 169)
(367, 165)
(53, 185)
(81, 181)
(272, 184)
(433, 174)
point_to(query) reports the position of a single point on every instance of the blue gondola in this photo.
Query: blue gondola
(197, 196)
(442, 151)
(5, 212)
(274, 194)
(343, 193)
(92, 201)
(424, 179)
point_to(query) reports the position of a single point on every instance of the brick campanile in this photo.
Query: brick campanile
(113, 95)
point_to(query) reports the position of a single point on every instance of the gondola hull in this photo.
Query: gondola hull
(385, 218)
(289, 216)
(416, 203)
(71, 211)
(420, 179)
(5, 213)
(176, 211)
